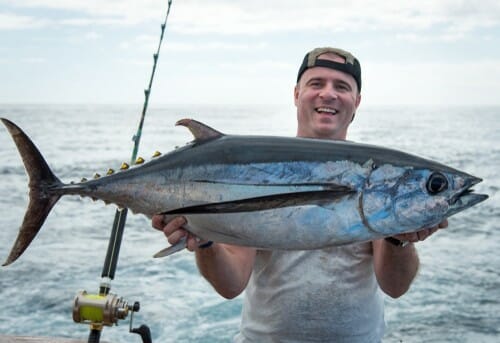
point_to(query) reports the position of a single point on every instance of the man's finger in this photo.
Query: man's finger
(176, 236)
(174, 224)
(157, 222)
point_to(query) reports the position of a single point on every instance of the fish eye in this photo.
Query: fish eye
(437, 183)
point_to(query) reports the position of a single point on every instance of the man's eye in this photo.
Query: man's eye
(343, 87)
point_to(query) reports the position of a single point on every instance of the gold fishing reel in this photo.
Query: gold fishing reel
(100, 310)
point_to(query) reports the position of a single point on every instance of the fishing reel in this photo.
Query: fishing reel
(106, 310)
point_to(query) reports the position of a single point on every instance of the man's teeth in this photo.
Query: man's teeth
(328, 110)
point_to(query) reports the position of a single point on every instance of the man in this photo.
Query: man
(326, 295)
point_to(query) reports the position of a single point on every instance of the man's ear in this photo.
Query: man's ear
(296, 94)
(358, 101)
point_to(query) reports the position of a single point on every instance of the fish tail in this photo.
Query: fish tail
(41, 201)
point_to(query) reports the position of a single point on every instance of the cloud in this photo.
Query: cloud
(25, 60)
(424, 83)
(32, 60)
(92, 35)
(215, 45)
(88, 21)
(449, 19)
(11, 21)
(91, 12)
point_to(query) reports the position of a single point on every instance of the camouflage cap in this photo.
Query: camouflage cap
(351, 65)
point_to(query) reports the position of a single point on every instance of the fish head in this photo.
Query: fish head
(405, 199)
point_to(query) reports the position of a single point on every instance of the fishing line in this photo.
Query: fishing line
(147, 92)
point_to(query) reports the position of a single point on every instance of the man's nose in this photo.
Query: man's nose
(328, 92)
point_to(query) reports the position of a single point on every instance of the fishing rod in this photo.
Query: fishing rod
(105, 309)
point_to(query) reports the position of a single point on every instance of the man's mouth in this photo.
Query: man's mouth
(326, 110)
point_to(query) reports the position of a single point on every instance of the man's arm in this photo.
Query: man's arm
(396, 266)
(226, 267)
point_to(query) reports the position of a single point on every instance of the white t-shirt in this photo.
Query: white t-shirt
(328, 295)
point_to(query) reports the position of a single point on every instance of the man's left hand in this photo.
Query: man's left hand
(421, 235)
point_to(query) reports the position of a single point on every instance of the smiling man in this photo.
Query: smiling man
(324, 295)
(327, 93)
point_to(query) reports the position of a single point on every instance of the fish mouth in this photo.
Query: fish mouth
(466, 197)
(326, 110)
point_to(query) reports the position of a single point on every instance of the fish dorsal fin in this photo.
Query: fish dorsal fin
(200, 131)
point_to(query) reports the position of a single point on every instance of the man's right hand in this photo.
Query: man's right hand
(226, 267)
(174, 231)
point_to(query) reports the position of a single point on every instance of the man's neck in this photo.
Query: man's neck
(332, 137)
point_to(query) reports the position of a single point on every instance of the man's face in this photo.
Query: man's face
(326, 100)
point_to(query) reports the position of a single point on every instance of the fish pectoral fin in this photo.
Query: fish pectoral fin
(268, 202)
(172, 249)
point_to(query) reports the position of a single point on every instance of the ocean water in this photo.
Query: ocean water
(455, 298)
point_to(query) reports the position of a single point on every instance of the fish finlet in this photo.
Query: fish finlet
(97, 175)
(84, 179)
(110, 171)
(124, 166)
(156, 154)
(139, 160)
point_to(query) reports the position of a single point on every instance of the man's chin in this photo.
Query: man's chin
(330, 129)
(330, 132)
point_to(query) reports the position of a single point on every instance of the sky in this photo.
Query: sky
(427, 52)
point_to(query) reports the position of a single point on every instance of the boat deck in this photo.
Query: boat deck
(31, 339)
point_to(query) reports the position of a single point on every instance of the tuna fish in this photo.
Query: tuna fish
(266, 192)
